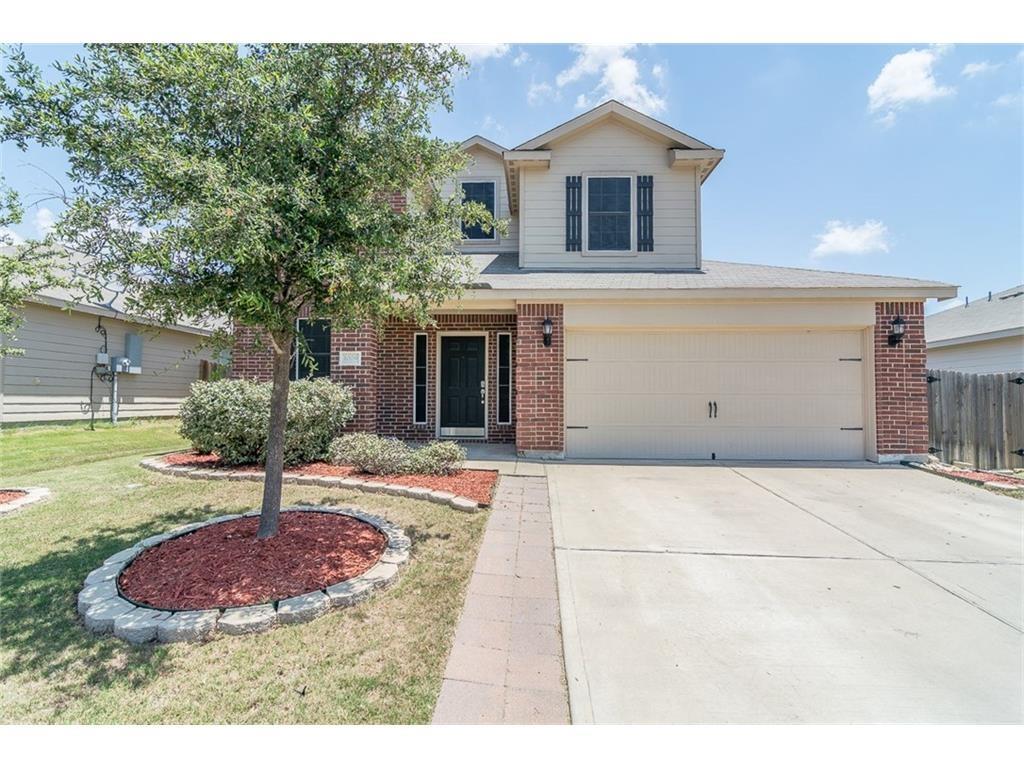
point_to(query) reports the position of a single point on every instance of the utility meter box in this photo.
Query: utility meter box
(133, 352)
(102, 358)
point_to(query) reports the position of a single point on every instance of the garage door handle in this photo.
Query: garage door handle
(716, 409)
(709, 409)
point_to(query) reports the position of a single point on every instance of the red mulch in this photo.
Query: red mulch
(10, 495)
(476, 484)
(225, 566)
(980, 476)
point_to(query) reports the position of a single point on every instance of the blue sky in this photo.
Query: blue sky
(890, 159)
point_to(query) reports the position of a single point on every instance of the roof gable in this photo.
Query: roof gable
(615, 110)
(480, 141)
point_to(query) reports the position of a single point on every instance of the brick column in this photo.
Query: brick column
(364, 379)
(901, 391)
(540, 372)
(251, 357)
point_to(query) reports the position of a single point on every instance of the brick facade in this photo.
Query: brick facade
(540, 419)
(901, 390)
(395, 403)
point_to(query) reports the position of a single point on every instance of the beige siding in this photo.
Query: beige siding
(995, 356)
(486, 166)
(51, 381)
(609, 146)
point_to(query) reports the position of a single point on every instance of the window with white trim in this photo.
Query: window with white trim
(419, 380)
(504, 378)
(483, 192)
(609, 225)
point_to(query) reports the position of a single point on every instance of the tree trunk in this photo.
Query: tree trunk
(274, 467)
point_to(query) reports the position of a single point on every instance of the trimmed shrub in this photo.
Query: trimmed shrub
(230, 418)
(388, 456)
(437, 458)
(369, 453)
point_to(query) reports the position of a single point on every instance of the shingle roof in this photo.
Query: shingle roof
(1003, 312)
(502, 272)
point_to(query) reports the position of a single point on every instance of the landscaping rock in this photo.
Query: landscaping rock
(100, 617)
(123, 556)
(349, 592)
(441, 496)
(188, 627)
(307, 607)
(373, 486)
(103, 573)
(247, 620)
(418, 492)
(352, 482)
(382, 574)
(99, 592)
(152, 541)
(395, 555)
(463, 504)
(139, 626)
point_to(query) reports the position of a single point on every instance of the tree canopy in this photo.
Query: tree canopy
(253, 182)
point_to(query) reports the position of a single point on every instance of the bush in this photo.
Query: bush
(369, 453)
(230, 418)
(437, 458)
(388, 456)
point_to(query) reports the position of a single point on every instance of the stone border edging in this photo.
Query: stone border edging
(32, 495)
(157, 464)
(991, 484)
(106, 610)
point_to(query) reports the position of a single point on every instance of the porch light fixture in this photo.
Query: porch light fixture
(897, 329)
(548, 328)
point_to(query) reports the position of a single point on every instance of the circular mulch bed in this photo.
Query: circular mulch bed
(225, 566)
(7, 495)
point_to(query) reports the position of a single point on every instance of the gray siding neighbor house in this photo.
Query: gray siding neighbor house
(61, 376)
(985, 336)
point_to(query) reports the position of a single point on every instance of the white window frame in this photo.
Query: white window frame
(497, 377)
(631, 175)
(426, 387)
(497, 189)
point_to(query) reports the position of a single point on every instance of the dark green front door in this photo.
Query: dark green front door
(463, 385)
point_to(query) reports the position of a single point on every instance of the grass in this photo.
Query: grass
(379, 662)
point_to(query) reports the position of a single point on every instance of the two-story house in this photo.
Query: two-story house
(595, 328)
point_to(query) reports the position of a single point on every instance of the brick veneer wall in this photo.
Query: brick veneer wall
(364, 379)
(395, 403)
(901, 390)
(540, 420)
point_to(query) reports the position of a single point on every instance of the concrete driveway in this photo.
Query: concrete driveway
(787, 593)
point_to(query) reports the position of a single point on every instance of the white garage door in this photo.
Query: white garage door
(727, 395)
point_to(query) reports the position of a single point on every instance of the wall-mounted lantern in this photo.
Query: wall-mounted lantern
(548, 328)
(897, 327)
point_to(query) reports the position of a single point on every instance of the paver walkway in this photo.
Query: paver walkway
(506, 663)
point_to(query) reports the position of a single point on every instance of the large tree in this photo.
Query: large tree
(254, 183)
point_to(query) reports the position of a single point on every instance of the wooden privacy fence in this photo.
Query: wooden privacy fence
(977, 418)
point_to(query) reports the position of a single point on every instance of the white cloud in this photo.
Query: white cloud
(1007, 100)
(9, 237)
(478, 53)
(907, 78)
(975, 68)
(44, 221)
(521, 58)
(856, 239)
(538, 93)
(619, 77)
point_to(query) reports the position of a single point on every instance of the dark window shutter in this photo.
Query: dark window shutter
(420, 378)
(645, 213)
(573, 213)
(315, 360)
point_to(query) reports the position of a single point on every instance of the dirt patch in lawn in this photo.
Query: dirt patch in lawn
(8, 495)
(475, 484)
(225, 566)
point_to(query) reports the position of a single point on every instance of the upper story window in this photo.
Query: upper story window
(479, 192)
(609, 213)
(316, 361)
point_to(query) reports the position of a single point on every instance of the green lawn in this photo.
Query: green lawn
(379, 662)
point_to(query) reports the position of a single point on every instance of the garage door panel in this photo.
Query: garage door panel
(786, 395)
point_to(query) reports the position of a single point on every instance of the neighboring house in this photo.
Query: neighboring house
(596, 329)
(984, 336)
(57, 377)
